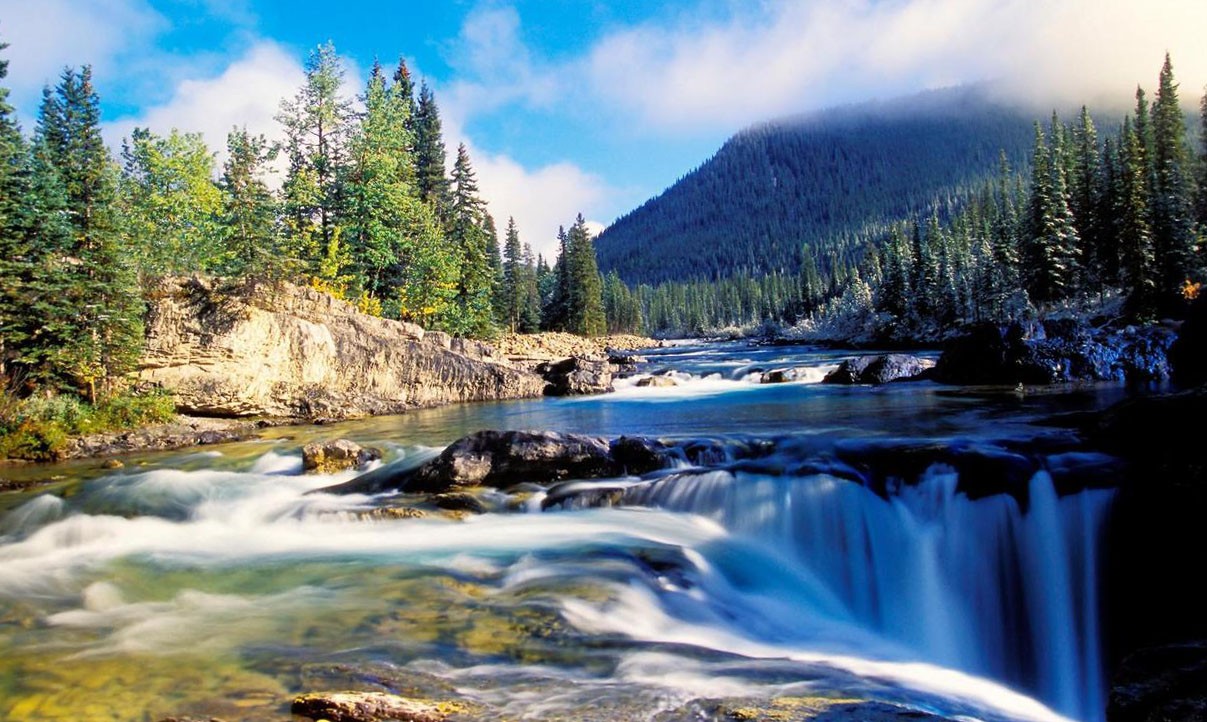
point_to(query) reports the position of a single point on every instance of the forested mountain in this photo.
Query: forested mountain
(826, 179)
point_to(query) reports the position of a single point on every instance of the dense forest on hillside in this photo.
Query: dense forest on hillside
(1121, 214)
(823, 181)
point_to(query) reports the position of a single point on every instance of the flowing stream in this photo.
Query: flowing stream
(209, 582)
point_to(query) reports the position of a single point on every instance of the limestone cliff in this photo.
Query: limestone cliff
(288, 351)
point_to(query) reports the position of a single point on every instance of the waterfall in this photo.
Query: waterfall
(983, 586)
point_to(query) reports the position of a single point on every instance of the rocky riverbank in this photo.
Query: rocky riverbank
(285, 351)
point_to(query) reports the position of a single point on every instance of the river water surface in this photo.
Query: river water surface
(208, 583)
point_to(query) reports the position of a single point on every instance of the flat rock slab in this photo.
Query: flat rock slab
(370, 707)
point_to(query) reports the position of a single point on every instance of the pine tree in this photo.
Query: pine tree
(555, 312)
(316, 125)
(585, 312)
(101, 287)
(1049, 259)
(1134, 231)
(530, 315)
(512, 292)
(430, 155)
(467, 233)
(1172, 210)
(1201, 205)
(251, 237)
(1084, 186)
(404, 88)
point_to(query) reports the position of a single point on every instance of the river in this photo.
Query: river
(208, 583)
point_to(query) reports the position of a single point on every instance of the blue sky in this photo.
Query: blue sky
(585, 105)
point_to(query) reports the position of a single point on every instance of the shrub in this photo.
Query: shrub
(39, 427)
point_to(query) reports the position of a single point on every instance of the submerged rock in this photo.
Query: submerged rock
(1161, 684)
(370, 707)
(877, 369)
(576, 376)
(326, 457)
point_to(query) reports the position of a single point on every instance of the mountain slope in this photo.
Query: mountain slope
(820, 179)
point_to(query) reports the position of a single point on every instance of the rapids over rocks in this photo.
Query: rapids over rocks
(931, 549)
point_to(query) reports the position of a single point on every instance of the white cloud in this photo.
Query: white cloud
(792, 56)
(248, 92)
(46, 35)
(540, 199)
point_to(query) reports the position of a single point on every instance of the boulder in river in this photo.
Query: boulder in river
(576, 376)
(327, 457)
(780, 376)
(657, 381)
(370, 707)
(879, 369)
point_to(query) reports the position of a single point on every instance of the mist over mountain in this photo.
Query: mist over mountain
(825, 179)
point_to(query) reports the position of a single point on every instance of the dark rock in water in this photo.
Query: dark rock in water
(780, 376)
(458, 501)
(877, 369)
(638, 454)
(657, 381)
(1161, 684)
(499, 459)
(326, 457)
(576, 376)
(1188, 355)
(624, 358)
(370, 707)
(1054, 352)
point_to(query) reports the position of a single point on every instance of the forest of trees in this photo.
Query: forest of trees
(828, 180)
(365, 211)
(1121, 214)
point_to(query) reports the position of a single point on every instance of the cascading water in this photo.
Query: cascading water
(981, 586)
(215, 585)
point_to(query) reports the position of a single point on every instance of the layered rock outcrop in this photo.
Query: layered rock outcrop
(281, 350)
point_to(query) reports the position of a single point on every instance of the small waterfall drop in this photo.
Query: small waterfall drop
(983, 586)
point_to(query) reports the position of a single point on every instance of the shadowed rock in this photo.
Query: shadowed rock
(877, 369)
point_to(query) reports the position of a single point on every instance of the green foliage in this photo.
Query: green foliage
(469, 231)
(251, 235)
(39, 427)
(316, 123)
(170, 204)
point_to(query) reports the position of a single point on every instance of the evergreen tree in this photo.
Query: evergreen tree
(1172, 210)
(512, 290)
(467, 233)
(585, 312)
(1084, 187)
(169, 202)
(251, 237)
(100, 283)
(1201, 205)
(555, 312)
(404, 88)
(430, 154)
(1052, 243)
(316, 125)
(530, 315)
(1134, 230)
